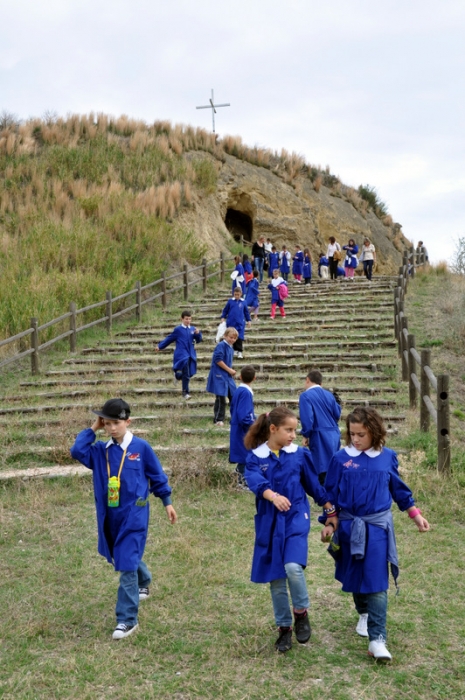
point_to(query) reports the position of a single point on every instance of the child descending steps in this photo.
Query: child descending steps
(236, 314)
(277, 295)
(237, 276)
(298, 264)
(242, 417)
(281, 474)
(284, 263)
(252, 295)
(362, 480)
(307, 268)
(186, 338)
(273, 261)
(221, 376)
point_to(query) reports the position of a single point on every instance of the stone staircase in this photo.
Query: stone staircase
(343, 328)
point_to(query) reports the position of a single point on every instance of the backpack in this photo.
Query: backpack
(283, 291)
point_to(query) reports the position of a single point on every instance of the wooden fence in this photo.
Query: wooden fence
(136, 298)
(416, 369)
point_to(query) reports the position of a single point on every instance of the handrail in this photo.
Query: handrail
(33, 332)
(416, 369)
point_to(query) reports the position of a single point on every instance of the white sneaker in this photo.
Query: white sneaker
(362, 625)
(186, 396)
(377, 649)
(219, 423)
(240, 356)
(123, 630)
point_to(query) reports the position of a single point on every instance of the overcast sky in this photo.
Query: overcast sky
(374, 89)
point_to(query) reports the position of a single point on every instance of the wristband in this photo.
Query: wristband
(413, 513)
(275, 495)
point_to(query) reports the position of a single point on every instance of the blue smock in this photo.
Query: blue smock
(186, 340)
(298, 263)
(122, 531)
(242, 417)
(236, 314)
(307, 268)
(219, 381)
(364, 483)
(281, 537)
(251, 297)
(319, 413)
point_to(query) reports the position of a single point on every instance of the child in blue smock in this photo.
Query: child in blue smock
(236, 314)
(281, 474)
(123, 513)
(323, 266)
(221, 376)
(242, 417)
(186, 338)
(273, 261)
(298, 264)
(248, 271)
(362, 480)
(285, 263)
(307, 267)
(239, 279)
(252, 295)
(276, 300)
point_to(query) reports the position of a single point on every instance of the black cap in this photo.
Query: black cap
(114, 409)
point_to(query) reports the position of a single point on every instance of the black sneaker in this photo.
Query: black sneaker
(284, 641)
(302, 627)
(123, 630)
(143, 593)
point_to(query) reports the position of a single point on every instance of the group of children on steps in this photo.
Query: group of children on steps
(362, 480)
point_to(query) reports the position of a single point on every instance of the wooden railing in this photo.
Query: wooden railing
(416, 369)
(139, 296)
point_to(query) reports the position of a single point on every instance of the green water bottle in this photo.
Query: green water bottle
(113, 492)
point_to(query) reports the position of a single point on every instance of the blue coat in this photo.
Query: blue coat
(307, 269)
(185, 347)
(240, 269)
(236, 314)
(251, 297)
(242, 417)
(319, 415)
(275, 298)
(298, 264)
(281, 537)
(284, 261)
(273, 263)
(351, 253)
(219, 381)
(364, 483)
(324, 262)
(141, 473)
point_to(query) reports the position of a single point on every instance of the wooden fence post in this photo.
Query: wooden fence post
(443, 423)
(185, 283)
(412, 389)
(396, 301)
(109, 312)
(72, 327)
(35, 347)
(163, 290)
(400, 315)
(404, 349)
(221, 268)
(425, 390)
(412, 258)
(138, 302)
(204, 274)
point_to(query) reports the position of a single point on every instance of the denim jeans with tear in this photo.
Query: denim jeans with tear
(280, 598)
(375, 604)
(127, 602)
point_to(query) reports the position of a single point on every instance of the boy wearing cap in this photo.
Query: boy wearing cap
(184, 357)
(125, 469)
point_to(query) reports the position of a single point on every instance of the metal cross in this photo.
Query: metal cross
(213, 107)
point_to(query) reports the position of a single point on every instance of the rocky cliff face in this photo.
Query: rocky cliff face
(251, 201)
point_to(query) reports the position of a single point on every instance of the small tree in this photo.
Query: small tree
(458, 259)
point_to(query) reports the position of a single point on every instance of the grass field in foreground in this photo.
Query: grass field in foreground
(206, 631)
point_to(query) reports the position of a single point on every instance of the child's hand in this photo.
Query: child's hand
(421, 523)
(326, 533)
(98, 424)
(282, 503)
(171, 513)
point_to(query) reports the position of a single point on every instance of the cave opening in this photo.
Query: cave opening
(239, 224)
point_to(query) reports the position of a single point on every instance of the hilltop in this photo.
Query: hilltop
(91, 203)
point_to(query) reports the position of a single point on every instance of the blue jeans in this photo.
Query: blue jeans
(298, 590)
(127, 601)
(375, 604)
(368, 268)
(259, 262)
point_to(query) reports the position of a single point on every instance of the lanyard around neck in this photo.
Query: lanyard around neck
(120, 466)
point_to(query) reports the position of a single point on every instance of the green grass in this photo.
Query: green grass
(206, 631)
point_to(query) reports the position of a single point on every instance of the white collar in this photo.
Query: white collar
(314, 386)
(184, 325)
(264, 451)
(353, 452)
(126, 440)
(277, 281)
(246, 386)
